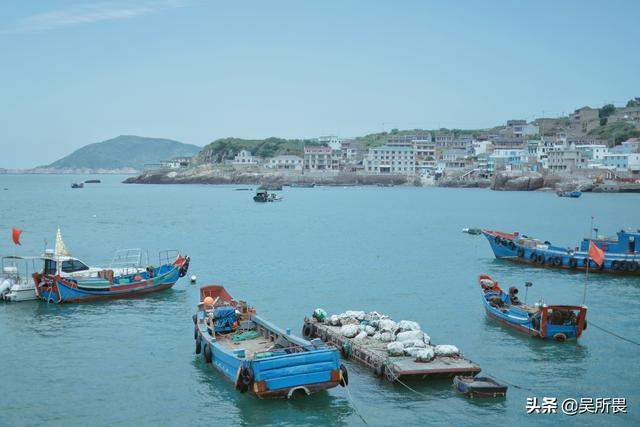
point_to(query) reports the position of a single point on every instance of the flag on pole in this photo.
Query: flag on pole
(596, 254)
(15, 235)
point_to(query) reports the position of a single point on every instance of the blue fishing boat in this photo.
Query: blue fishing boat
(257, 356)
(68, 279)
(621, 255)
(572, 194)
(551, 322)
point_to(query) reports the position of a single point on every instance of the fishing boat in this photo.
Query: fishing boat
(572, 194)
(302, 185)
(68, 279)
(16, 283)
(479, 387)
(77, 185)
(550, 322)
(621, 254)
(473, 231)
(263, 196)
(92, 181)
(257, 356)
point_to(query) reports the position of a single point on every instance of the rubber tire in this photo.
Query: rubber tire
(540, 259)
(573, 263)
(207, 353)
(195, 333)
(632, 266)
(512, 246)
(306, 330)
(520, 253)
(345, 376)
(198, 345)
(615, 265)
(584, 325)
(560, 337)
(557, 261)
(623, 266)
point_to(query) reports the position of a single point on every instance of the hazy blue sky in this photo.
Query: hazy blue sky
(74, 72)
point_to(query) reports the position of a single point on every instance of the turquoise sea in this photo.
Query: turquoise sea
(399, 251)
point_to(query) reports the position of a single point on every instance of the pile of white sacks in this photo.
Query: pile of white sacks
(404, 338)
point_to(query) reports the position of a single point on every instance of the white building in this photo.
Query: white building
(391, 159)
(245, 158)
(317, 157)
(330, 140)
(480, 147)
(176, 163)
(289, 162)
(506, 158)
(622, 161)
(593, 152)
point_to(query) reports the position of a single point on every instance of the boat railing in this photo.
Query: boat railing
(128, 260)
(167, 256)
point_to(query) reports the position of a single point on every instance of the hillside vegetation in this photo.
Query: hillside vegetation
(615, 133)
(227, 148)
(125, 151)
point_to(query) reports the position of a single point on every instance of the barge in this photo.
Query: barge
(373, 355)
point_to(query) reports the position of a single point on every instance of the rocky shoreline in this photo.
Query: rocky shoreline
(210, 175)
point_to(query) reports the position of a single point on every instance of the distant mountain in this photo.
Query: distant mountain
(125, 151)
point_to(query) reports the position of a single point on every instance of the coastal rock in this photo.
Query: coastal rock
(517, 181)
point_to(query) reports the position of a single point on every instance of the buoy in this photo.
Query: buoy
(193, 278)
(208, 301)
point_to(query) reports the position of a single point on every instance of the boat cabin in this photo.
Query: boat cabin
(625, 243)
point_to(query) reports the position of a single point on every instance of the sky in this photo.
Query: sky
(75, 72)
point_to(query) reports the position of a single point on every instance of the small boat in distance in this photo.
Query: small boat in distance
(263, 196)
(473, 231)
(258, 357)
(92, 181)
(557, 322)
(572, 194)
(479, 387)
(77, 185)
(302, 185)
(621, 254)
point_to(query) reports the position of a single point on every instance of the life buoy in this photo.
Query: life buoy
(345, 376)
(198, 345)
(573, 263)
(560, 337)
(520, 253)
(207, 353)
(306, 330)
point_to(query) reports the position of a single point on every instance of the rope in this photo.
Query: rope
(395, 378)
(508, 383)
(355, 409)
(614, 334)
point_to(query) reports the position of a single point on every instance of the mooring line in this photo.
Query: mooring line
(613, 333)
(354, 406)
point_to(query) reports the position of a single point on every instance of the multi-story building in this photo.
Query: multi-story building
(585, 119)
(352, 152)
(288, 162)
(391, 159)
(454, 158)
(317, 157)
(594, 153)
(506, 159)
(566, 159)
(331, 141)
(622, 161)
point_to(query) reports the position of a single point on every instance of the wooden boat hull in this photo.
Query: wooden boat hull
(55, 289)
(505, 246)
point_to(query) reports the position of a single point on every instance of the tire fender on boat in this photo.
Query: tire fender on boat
(344, 381)
(520, 253)
(573, 263)
(560, 337)
(245, 379)
(512, 246)
(198, 345)
(207, 353)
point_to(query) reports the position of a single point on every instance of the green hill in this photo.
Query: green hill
(226, 148)
(125, 151)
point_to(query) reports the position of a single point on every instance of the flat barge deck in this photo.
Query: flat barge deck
(373, 354)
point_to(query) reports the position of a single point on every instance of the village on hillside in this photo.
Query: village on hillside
(591, 142)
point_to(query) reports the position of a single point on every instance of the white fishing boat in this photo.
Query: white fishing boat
(16, 283)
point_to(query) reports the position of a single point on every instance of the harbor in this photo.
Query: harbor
(423, 269)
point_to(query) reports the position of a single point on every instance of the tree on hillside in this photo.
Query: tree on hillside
(606, 110)
(635, 102)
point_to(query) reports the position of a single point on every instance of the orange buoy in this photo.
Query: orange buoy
(208, 301)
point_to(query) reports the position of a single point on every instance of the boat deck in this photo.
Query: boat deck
(251, 346)
(373, 354)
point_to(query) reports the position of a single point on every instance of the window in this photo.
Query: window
(73, 265)
(49, 266)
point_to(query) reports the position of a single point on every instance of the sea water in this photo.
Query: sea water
(398, 250)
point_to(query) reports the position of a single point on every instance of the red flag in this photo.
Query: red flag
(15, 235)
(596, 254)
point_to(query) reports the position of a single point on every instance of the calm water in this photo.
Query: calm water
(396, 250)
